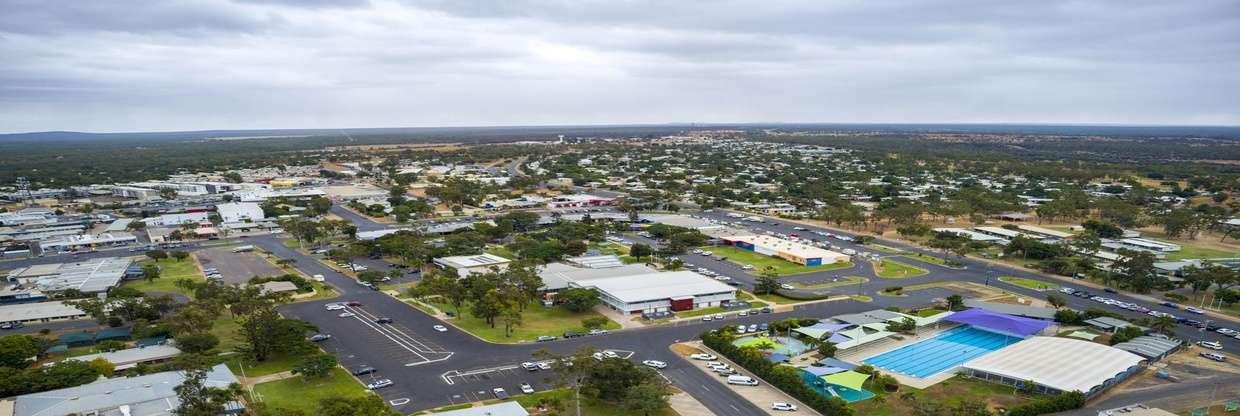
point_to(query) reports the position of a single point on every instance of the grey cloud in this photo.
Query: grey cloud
(172, 16)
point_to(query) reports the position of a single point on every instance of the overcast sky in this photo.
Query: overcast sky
(104, 65)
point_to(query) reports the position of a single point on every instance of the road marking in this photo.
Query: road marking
(399, 402)
(390, 333)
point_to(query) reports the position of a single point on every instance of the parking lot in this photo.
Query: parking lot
(480, 383)
(236, 267)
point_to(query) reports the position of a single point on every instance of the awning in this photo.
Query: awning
(849, 379)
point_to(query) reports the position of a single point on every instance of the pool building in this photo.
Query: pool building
(980, 332)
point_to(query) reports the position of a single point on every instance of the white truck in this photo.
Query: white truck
(242, 249)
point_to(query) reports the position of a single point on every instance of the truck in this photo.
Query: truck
(242, 249)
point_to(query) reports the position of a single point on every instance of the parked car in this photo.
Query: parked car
(1214, 345)
(1191, 309)
(546, 338)
(654, 364)
(1170, 305)
(440, 328)
(364, 370)
(335, 307)
(1216, 357)
(379, 384)
(788, 407)
(527, 388)
(528, 366)
(597, 332)
(11, 325)
(703, 356)
(742, 380)
(346, 315)
(384, 321)
(354, 303)
(500, 393)
(320, 337)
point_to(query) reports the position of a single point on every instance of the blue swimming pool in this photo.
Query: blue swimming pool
(946, 350)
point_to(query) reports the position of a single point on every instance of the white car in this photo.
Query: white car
(1214, 345)
(786, 286)
(703, 357)
(654, 364)
(379, 384)
(346, 315)
(789, 407)
(335, 307)
(718, 317)
(440, 328)
(1191, 309)
(610, 354)
(527, 388)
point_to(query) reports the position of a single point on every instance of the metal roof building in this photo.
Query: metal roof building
(90, 276)
(1151, 347)
(661, 291)
(149, 395)
(1010, 309)
(498, 409)
(1056, 365)
(129, 358)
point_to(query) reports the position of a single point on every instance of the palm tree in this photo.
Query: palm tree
(1163, 324)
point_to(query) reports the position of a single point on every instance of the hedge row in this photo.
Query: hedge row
(785, 378)
(1050, 404)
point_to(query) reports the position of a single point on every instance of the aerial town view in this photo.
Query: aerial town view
(515, 208)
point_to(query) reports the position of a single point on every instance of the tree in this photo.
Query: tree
(578, 299)
(1137, 269)
(135, 226)
(102, 366)
(197, 343)
(1163, 324)
(572, 371)
(511, 317)
(765, 285)
(18, 351)
(180, 255)
(157, 255)
(594, 322)
(1056, 301)
(150, 272)
(827, 349)
(1125, 334)
(489, 306)
(955, 303)
(198, 399)
(370, 276)
(317, 365)
(639, 250)
(646, 398)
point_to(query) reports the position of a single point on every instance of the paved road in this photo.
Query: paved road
(362, 223)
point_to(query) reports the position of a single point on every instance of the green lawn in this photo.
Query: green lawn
(1029, 283)
(291, 243)
(894, 269)
(225, 329)
(170, 271)
(275, 364)
(926, 313)
(538, 320)
(847, 280)
(885, 249)
(296, 394)
(1195, 252)
(760, 262)
(564, 402)
(927, 258)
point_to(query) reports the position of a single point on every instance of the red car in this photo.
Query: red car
(354, 303)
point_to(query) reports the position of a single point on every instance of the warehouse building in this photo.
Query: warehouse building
(1056, 365)
(90, 276)
(132, 357)
(39, 312)
(466, 265)
(636, 288)
(240, 212)
(803, 254)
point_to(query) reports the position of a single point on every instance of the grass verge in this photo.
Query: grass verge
(537, 320)
(761, 262)
(1029, 283)
(170, 270)
(896, 270)
(295, 394)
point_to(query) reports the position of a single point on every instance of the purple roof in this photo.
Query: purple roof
(999, 322)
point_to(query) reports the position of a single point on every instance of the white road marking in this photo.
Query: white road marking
(391, 334)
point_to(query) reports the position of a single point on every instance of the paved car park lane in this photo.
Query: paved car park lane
(402, 341)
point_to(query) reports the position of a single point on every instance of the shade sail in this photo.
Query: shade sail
(823, 371)
(999, 322)
(850, 379)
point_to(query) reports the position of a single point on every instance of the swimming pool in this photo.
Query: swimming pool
(946, 350)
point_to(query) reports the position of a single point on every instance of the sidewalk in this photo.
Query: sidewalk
(686, 405)
(251, 381)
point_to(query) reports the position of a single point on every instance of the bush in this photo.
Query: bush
(1175, 296)
(1068, 316)
(785, 378)
(197, 343)
(1050, 404)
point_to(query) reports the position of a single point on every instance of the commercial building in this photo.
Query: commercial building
(173, 220)
(240, 212)
(1044, 232)
(975, 236)
(1056, 365)
(1151, 347)
(1141, 244)
(636, 288)
(148, 395)
(795, 252)
(40, 312)
(498, 409)
(577, 201)
(90, 276)
(132, 357)
(74, 242)
(466, 265)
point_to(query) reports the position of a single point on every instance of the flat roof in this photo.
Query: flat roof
(1010, 309)
(89, 276)
(1063, 364)
(127, 358)
(1149, 346)
(804, 251)
(1044, 231)
(498, 409)
(656, 286)
(36, 311)
(477, 260)
(149, 395)
(559, 275)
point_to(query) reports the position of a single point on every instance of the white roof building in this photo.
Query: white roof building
(466, 265)
(39, 312)
(148, 395)
(240, 212)
(1057, 365)
(131, 357)
(660, 291)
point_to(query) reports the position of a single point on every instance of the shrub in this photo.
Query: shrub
(1175, 296)
(1050, 404)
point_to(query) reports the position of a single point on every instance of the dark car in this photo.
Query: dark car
(11, 325)
(572, 334)
(1170, 305)
(384, 321)
(1109, 290)
(354, 303)
(364, 371)
(766, 310)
